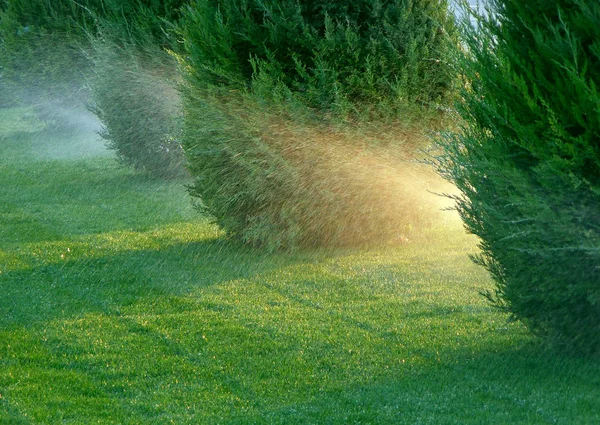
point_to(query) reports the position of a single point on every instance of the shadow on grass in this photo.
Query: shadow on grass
(107, 283)
(279, 348)
(521, 384)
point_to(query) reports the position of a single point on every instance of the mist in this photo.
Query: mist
(62, 129)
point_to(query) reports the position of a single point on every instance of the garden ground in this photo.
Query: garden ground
(121, 305)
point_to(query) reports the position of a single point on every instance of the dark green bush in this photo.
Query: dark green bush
(46, 50)
(271, 180)
(76, 18)
(39, 52)
(134, 94)
(528, 163)
(334, 54)
(266, 85)
(43, 42)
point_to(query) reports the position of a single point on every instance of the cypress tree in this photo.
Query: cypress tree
(326, 52)
(527, 162)
(275, 94)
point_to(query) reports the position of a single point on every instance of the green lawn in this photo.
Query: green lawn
(121, 305)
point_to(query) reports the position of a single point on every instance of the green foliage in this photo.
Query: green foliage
(134, 94)
(332, 54)
(272, 179)
(267, 85)
(528, 163)
(45, 52)
(43, 42)
(39, 51)
(77, 17)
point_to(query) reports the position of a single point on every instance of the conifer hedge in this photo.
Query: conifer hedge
(328, 52)
(53, 51)
(134, 94)
(268, 83)
(528, 163)
(43, 42)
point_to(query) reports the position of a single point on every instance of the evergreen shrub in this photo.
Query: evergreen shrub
(134, 94)
(528, 163)
(275, 181)
(45, 53)
(43, 43)
(277, 98)
(39, 51)
(334, 54)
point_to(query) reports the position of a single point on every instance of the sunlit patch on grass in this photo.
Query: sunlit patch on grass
(269, 343)
(11, 261)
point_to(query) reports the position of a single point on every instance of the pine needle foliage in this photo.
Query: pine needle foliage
(286, 105)
(528, 163)
(43, 42)
(134, 94)
(76, 17)
(334, 54)
(276, 182)
(57, 49)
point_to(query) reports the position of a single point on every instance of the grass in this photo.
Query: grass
(120, 305)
